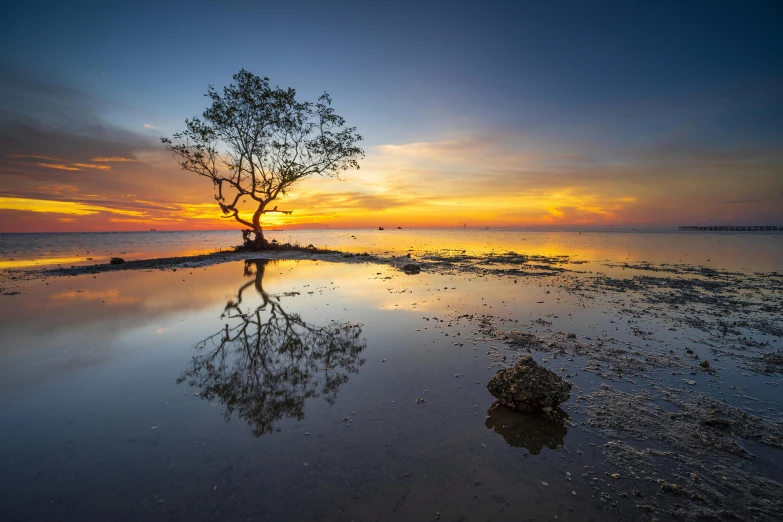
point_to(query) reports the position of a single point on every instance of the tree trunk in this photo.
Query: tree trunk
(258, 242)
(259, 265)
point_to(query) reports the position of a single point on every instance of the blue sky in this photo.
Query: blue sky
(612, 81)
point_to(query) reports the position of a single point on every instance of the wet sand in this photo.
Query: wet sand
(180, 388)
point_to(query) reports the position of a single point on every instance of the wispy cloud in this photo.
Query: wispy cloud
(113, 159)
(57, 166)
(59, 207)
(91, 166)
(72, 166)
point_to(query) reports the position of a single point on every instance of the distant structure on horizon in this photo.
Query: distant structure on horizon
(727, 228)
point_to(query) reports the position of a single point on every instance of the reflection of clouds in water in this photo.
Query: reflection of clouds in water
(21, 263)
(110, 297)
(265, 363)
(532, 431)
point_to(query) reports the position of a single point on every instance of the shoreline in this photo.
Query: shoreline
(442, 261)
(410, 262)
(161, 263)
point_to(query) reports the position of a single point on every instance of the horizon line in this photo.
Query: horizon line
(654, 228)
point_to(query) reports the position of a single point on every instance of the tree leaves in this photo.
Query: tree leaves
(258, 141)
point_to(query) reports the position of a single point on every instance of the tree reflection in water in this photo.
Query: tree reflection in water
(266, 362)
(532, 431)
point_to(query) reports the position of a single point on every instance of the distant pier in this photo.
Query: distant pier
(725, 228)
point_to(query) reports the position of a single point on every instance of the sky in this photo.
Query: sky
(559, 114)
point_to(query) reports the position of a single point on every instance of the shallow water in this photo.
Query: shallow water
(288, 390)
(729, 251)
(100, 428)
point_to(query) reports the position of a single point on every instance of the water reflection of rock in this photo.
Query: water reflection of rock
(532, 431)
(266, 363)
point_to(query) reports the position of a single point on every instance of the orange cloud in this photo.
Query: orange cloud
(60, 207)
(73, 166)
(57, 166)
(113, 159)
(90, 166)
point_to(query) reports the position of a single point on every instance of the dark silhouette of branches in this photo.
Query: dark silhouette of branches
(266, 363)
(255, 142)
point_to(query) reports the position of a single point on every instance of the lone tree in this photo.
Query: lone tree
(255, 142)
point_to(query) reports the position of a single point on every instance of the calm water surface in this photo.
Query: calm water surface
(288, 390)
(126, 397)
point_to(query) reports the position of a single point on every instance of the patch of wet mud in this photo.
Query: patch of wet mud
(610, 358)
(503, 264)
(700, 456)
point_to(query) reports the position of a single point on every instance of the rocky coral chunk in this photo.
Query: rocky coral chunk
(529, 387)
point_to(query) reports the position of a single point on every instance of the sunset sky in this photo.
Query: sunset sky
(519, 114)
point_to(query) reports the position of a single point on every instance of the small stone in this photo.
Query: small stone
(411, 268)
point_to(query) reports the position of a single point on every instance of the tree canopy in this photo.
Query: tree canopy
(256, 141)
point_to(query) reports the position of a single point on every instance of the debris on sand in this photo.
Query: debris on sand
(529, 387)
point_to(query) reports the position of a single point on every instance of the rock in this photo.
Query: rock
(116, 261)
(529, 387)
(704, 364)
(411, 268)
